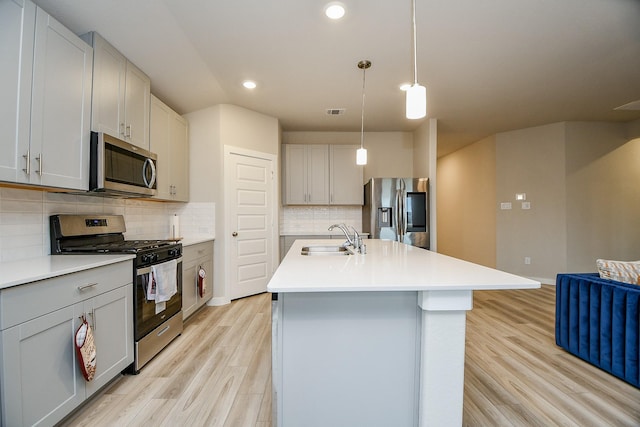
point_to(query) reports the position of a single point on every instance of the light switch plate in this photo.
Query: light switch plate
(505, 205)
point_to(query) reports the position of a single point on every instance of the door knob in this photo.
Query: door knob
(234, 234)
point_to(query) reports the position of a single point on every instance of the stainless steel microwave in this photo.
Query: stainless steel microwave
(121, 169)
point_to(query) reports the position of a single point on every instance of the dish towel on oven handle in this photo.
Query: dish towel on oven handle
(165, 275)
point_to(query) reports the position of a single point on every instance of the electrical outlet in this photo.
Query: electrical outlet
(527, 260)
(505, 205)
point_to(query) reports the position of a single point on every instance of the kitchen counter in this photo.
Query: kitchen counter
(374, 339)
(194, 240)
(387, 266)
(13, 273)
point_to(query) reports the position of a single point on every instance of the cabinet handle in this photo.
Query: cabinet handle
(122, 130)
(39, 159)
(27, 157)
(128, 133)
(85, 287)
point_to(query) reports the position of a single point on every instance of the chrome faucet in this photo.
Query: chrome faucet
(355, 242)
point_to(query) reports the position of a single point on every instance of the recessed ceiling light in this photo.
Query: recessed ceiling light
(249, 84)
(334, 10)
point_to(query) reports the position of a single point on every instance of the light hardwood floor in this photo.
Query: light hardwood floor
(218, 372)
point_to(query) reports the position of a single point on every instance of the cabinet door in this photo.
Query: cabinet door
(207, 265)
(346, 177)
(61, 106)
(179, 155)
(110, 315)
(159, 143)
(318, 174)
(189, 286)
(295, 174)
(41, 380)
(17, 20)
(109, 73)
(136, 106)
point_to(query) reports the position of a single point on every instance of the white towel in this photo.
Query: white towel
(165, 277)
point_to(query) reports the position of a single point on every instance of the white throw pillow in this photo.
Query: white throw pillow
(621, 271)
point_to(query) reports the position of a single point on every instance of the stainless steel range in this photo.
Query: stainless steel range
(157, 275)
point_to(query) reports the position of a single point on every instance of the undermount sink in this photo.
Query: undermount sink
(325, 250)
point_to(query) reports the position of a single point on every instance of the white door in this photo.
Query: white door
(249, 183)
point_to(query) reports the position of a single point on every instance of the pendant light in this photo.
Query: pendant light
(361, 153)
(416, 94)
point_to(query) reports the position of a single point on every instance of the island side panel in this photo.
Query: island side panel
(348, 358)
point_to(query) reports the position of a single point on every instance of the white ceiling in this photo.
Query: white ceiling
(489, 65)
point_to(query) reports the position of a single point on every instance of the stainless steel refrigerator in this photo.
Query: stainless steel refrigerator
(397, 209)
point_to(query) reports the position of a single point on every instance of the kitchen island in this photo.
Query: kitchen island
(375, 339)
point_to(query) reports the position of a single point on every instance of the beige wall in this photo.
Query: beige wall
(389, 154)
(603, 194)
(581, 180)
(466, 201)
(531, 161)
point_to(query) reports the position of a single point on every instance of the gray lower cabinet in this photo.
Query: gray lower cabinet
(194, 258)
(41, 380)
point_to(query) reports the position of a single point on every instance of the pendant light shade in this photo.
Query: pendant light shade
(416, 107)
(416, 101)
(361, 156)
(361, 153)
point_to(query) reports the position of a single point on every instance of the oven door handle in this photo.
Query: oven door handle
(147, 270)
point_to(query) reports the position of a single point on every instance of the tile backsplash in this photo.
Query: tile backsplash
(316, 219)
(24, 218)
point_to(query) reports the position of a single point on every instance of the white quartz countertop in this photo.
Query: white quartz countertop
(387, 266)
(13, 273)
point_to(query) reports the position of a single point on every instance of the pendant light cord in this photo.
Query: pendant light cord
(364, 72)
(415, 43)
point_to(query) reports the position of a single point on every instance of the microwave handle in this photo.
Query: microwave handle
(149, 163)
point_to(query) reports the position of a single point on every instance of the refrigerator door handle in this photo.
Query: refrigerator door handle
(399, 215)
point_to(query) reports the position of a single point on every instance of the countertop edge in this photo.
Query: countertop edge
(20, 272)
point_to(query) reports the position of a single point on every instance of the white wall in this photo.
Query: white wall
(210, 130)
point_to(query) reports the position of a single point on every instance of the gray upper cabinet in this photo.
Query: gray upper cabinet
(121, 94)
(45, 99)
(306, 180)
(321, 174)
(169, 140)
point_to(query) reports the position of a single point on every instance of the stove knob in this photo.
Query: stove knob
(154, 257)
(145, 258)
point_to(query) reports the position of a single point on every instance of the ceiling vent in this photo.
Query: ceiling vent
(335, 111)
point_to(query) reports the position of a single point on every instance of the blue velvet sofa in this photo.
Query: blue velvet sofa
(598, 321)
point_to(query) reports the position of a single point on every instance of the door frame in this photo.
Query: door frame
(275, 221)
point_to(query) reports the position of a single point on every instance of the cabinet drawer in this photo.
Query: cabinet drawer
(197, 252)
(21, 303)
